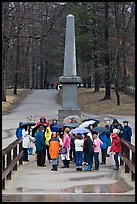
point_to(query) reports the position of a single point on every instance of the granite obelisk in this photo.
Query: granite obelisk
(69, 80)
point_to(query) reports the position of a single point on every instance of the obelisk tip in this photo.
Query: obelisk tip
(70, 15)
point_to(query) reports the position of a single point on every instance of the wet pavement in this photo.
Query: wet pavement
(31, 183)
(40, 184)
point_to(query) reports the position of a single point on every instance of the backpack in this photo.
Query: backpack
(19, 132)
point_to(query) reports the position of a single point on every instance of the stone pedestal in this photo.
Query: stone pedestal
(69, 80)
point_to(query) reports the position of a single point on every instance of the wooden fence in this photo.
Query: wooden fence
(11, 156)
(127, 157)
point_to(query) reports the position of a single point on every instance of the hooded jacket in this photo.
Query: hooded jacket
(116, 144)
(54, 145)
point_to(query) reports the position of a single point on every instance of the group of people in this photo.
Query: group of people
(84, 149)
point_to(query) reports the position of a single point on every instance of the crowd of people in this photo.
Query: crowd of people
(84, 150)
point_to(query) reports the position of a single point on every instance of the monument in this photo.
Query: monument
(69, 80)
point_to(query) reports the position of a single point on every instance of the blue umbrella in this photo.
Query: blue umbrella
(56, 127)
(79, 130)
(71, 125)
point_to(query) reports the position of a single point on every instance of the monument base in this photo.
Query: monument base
(66, 112)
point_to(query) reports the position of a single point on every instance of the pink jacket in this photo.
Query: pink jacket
(96, 144)
(66, 141)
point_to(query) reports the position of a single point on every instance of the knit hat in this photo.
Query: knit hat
(125, 121)
(116, 131)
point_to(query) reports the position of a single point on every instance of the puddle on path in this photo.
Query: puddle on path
(119, 187)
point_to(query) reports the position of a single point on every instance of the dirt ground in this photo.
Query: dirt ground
(13, 100)
(88, 102)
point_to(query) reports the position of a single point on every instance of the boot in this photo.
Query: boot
(53, 168)
(67, 163)
(64, 164)
(88, 168)
(56, 168)
(117, 165)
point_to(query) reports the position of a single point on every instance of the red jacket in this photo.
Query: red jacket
(116, 144)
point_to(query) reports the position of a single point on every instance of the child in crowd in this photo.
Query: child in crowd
(96, 145)
(88, 150)
(79, 142)
(115, 147)
(54, 145)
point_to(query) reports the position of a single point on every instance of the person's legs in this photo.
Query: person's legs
(116, 160)
(48, 155)
(96, 159)
(103, 152)
(25, 154)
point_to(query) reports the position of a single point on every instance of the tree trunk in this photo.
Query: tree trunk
(30, 67)
(117, 80)
(41, 65)
(3, 73)
(107, 60)
(17, 67)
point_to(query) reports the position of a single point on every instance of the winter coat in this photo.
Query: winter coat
(66, 141)
(127, 133)
(96, 144)
(26, 139)
(116, 144)
(48, 135)
(40, 141)
(104, 139)
(79, 143)
(88, 145)
(54, 145)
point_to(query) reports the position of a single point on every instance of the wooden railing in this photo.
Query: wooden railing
(11, 155)
(127, 157)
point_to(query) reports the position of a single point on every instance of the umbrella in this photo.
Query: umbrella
(71, 118)
(87, 123)
(79, 130)
(35, 128)
(71, 125)
(101, 129)
(88, 119)
(27, 124)
(56, 127)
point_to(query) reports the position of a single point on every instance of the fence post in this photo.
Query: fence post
(3, 167)
(20, 150)
(14, 156)
(8, 162)
(127, 155)
(133, 162)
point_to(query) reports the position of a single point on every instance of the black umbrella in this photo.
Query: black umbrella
(101, 129)
(88, 119)
(35, 128)
(30, 123)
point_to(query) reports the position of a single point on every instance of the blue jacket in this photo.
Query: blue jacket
(127, 133)
(40, 141)
(103, 138)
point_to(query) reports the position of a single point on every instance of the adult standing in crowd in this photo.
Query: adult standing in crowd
(117, 125)
(40, 146)
(127, 131)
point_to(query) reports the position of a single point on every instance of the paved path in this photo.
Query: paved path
(66, 184)
(39, 102)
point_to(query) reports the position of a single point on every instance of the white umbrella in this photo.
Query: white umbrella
(87, 123)
(72, 119)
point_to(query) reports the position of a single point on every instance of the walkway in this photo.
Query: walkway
(40, 184)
